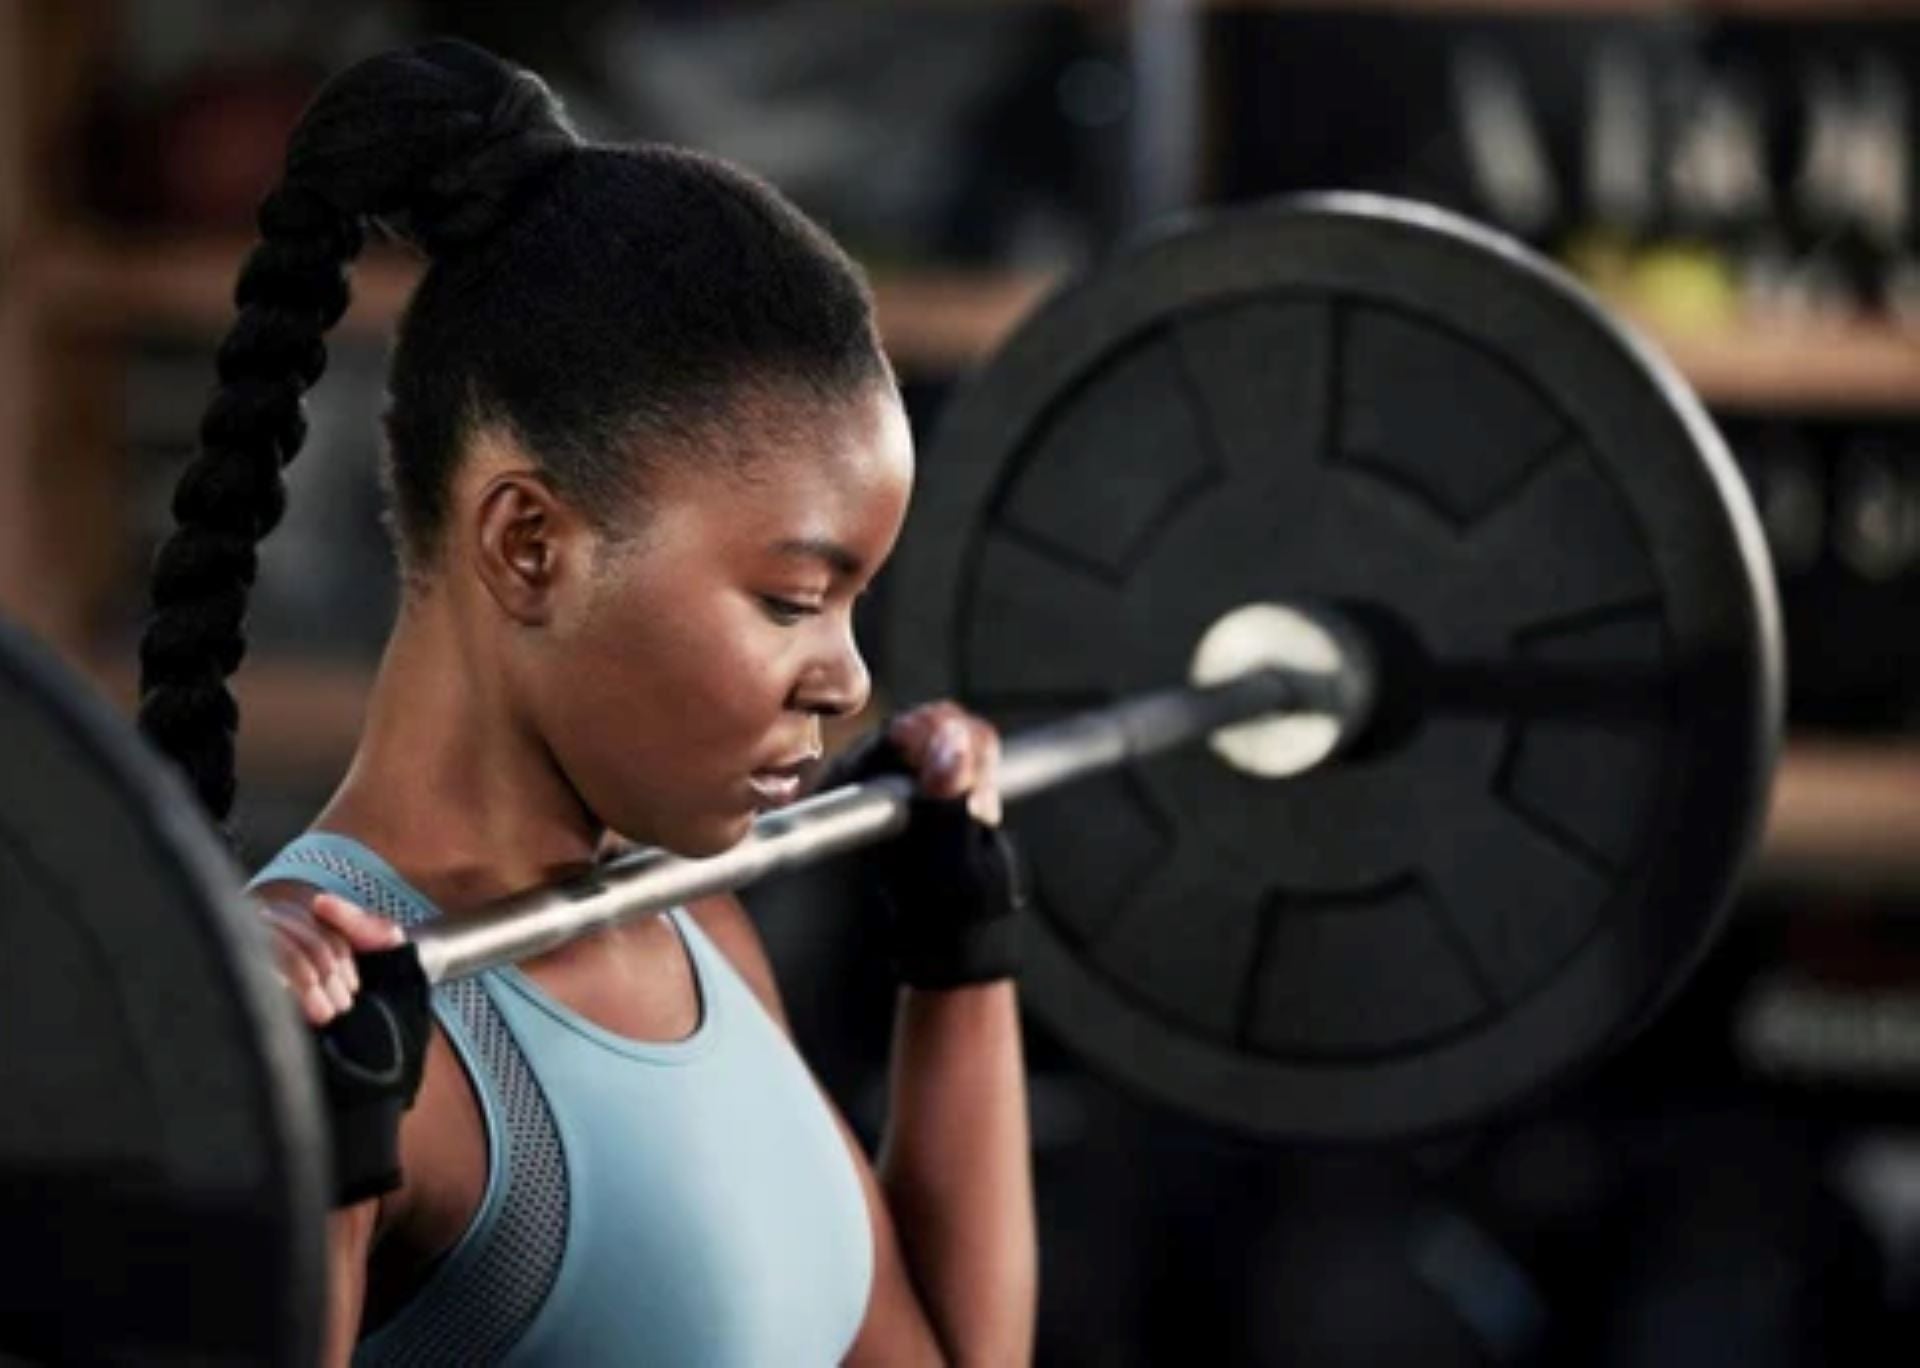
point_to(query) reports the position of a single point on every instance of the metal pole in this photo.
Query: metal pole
(1167, 56)
(649, 881)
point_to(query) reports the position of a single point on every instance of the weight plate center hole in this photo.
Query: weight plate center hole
(1328, 659)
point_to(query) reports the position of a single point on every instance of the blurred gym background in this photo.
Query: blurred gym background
(1743, 1185)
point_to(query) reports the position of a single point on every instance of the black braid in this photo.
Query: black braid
(294, 288)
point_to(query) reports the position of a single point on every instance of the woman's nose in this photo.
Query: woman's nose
(840, 685)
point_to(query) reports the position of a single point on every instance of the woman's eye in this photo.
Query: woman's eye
(785, 611)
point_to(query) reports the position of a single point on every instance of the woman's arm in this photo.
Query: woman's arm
(350, 1233)
(956, 1168)
(955, 1257)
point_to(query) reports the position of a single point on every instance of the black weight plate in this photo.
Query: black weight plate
(160, 1157)
(1360, 402)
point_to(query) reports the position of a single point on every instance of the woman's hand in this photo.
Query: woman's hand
(951, 753)
(371, 1055)
(951, 880)
(314, 946)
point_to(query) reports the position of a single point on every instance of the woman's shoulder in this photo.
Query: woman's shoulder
(330, 861)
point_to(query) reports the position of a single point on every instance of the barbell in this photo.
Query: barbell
(1451, 573)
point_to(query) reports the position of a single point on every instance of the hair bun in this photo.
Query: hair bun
(438, 141)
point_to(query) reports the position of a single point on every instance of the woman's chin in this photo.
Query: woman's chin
(702, 840)
(690, 835)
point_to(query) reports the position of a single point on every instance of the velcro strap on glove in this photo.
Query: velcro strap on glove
(371, 1060)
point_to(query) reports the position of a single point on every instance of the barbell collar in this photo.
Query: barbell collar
(842, 819)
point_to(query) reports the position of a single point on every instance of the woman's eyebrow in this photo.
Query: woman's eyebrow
(837, 557)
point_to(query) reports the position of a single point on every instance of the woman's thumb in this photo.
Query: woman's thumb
(361, 929)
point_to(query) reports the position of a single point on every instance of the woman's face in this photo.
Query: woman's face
(688, 689)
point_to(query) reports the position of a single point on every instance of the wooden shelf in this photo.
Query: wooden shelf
(944, 320)
(1847, 367)
(88, 283)
(299, 720)
(1846, 813)
(951, 320)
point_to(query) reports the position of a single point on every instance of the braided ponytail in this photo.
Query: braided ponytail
(437, 143)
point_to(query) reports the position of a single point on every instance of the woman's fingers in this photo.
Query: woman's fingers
(303, 979)
(362, 930)
(313, 1000)
(314, 948)
(952, 753)
(321, 947)
(931, 739)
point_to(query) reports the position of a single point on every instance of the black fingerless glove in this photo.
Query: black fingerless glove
(371, 1059)
(951, 884)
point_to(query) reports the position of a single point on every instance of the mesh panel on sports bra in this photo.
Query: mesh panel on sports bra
(506, 1281)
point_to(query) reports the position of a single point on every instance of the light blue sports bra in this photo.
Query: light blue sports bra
(688, 1202)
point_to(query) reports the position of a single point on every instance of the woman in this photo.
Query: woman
(644, 452)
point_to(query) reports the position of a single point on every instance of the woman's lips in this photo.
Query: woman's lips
(773, 788)
(777, 785)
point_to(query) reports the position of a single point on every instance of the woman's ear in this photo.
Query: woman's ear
(526, 545)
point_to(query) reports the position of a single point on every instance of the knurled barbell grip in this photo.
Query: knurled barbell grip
(647, 881)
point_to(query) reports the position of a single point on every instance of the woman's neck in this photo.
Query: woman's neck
(447, 784)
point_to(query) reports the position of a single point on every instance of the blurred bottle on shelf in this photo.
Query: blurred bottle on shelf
(1850, 195)
(1789, 489)
(1507, 161)
(1876, 532)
